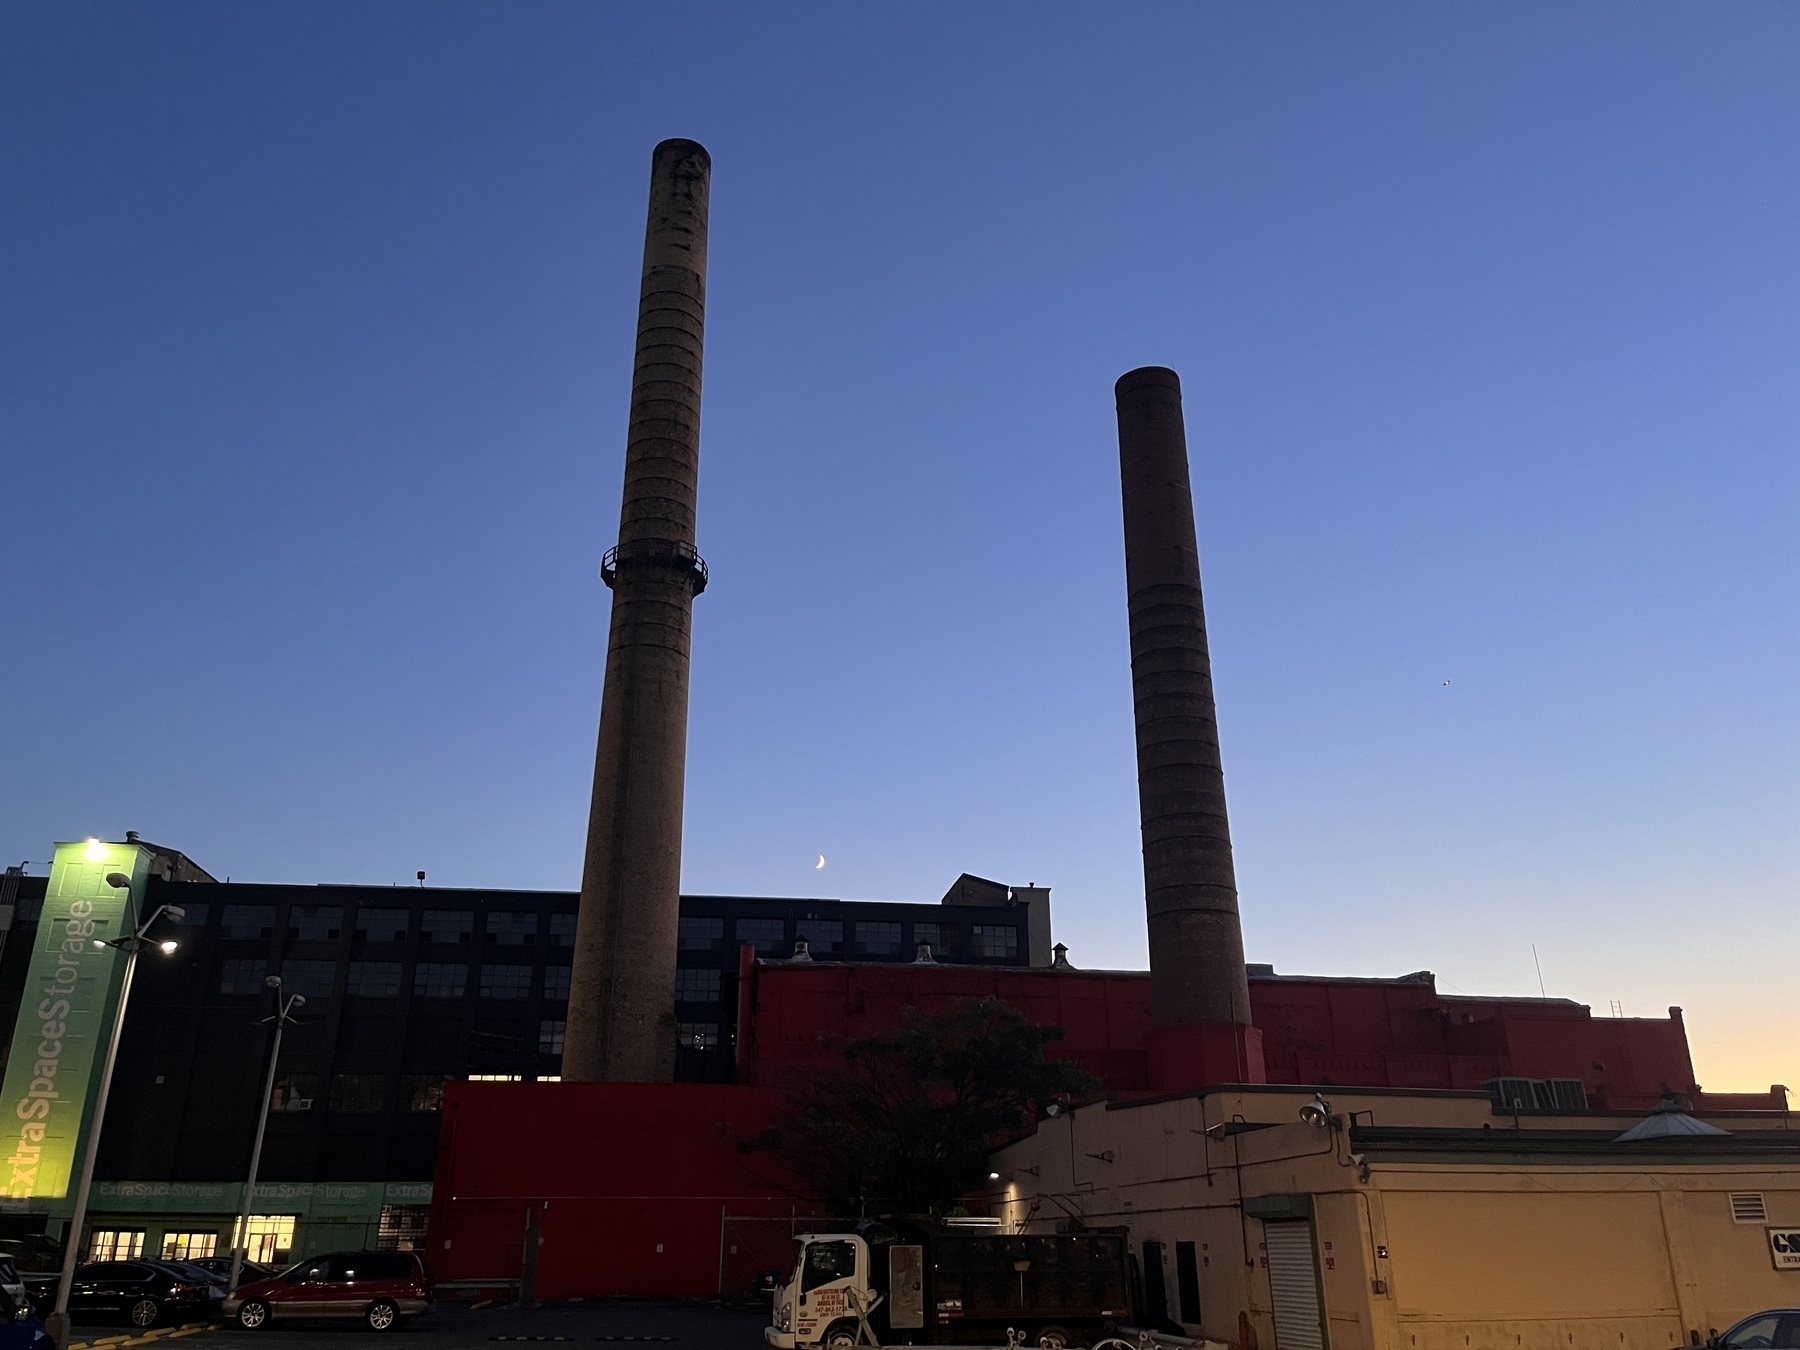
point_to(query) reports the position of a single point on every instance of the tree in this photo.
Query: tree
(907, 1125)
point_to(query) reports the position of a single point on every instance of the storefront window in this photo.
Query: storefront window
(271, 1237)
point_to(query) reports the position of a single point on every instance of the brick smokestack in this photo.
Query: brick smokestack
(1199, 996)
(622, 984)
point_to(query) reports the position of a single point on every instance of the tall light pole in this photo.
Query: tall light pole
(281, 1019)
(131, 944)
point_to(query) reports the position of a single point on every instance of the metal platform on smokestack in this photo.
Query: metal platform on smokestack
(622, 980)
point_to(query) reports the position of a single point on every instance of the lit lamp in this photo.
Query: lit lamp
(131, 944)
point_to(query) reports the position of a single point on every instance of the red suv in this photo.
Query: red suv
(379, 1288)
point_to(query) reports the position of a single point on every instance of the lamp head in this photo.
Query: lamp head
(1317, 1112)
(168, 948)
(272, 981)
(175, 912)
(297, 1001)
(118, 880)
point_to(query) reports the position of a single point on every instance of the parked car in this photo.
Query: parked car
(196, 1270)
(13, 1284)
(33, 1253)
(380, 1289)
(37, 1260)
(221, 1266)
(20, 1326)
(143, 1292)
(1771, 1329)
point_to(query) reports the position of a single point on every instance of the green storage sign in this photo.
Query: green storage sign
(65, 1016)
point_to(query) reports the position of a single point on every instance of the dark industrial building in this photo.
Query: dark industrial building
(406, 988)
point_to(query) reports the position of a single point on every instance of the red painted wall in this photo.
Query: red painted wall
(1363, 1033)
(631, 1182)
(636, 1184)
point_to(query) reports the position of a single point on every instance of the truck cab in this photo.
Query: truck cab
(818, 1305)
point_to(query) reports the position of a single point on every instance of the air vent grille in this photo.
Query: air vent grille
(1748, 1207)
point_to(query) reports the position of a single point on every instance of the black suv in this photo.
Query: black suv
(142, 1292)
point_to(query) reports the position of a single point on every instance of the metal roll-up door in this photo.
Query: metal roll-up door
(1294, 1286)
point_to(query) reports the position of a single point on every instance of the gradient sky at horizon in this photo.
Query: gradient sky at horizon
(316, 327)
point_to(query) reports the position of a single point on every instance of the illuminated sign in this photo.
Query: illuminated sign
(65, 1016)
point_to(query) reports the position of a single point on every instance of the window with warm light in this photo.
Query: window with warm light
(423, 1091)
(187, 1246)
(270, 1237)
(116, 1244)
(402, 1228)
(294, 1092)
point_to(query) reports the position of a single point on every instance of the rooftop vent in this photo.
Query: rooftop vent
(1669, 1118)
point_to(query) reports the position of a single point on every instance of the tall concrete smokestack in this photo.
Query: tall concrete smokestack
(1199, 996)
(622, 984)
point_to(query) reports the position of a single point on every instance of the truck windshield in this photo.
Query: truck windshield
(825, 1262)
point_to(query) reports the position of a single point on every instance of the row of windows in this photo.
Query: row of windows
(384, 979)
(354, 1094)
(825, 937)
(326, 923)
(431, 979)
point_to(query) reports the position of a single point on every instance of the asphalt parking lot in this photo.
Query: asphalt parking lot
(453, 1326)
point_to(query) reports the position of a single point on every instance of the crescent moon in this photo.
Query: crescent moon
(819, 864)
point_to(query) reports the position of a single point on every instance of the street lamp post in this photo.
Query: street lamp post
(281, 1019)
(131, 945)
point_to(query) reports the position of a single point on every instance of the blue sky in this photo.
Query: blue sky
(315, 342)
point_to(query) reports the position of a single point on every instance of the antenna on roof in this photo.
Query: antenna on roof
(1540, 970)
(421, 878)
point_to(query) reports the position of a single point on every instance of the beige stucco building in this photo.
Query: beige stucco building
(1412, 1220)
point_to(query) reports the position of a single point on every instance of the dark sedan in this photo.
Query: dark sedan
(143, 1293)
(221, 1266)
(1775, 1329)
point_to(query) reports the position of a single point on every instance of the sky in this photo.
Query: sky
(315, 348)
